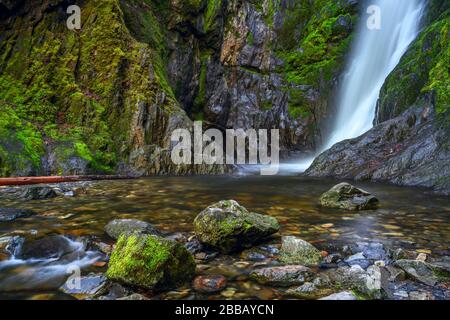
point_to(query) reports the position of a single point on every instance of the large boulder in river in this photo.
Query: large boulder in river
(228, 226)
(150, 262)
(298, 251)
(116, 228)
(345, 196)
(10, 214)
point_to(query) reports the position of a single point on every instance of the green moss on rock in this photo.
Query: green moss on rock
(298, 251)
(150, 262)
(423, 69)
(313, 42)
(228, 226)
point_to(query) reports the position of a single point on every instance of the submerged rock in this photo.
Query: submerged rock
(298, 251)
(150, 262)
(11, 244)
(117, 227)
(424, 272)
(228, 226)
(37, 193)
(345, 196)
(282, 276)
(89, 286)
(46, 248)
(209, 284)
(10, 214)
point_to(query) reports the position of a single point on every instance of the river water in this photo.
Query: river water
(407, 217)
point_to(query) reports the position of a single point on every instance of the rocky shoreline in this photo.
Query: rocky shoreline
(229, 245)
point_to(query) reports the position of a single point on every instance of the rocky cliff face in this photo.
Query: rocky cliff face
(407, 150)
(409, 145)
(107, 97)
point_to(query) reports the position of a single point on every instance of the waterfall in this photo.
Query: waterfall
(375, 54)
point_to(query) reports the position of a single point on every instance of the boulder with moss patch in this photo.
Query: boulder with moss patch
(150, 262)
(345, 196)
(228, 226)
(298, 251)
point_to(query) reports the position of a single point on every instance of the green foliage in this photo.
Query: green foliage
(313, 43)
(79, 89)
(423, 69)
(21, 145)
(200, 99)
(212, 9)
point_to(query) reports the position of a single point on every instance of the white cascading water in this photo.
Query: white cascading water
(374, 56)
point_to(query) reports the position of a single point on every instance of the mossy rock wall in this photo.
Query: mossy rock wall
(81, 94)
(422, 70)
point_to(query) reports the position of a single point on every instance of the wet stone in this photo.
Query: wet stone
(345, 196)
(371, 250)
(91, 285)
(46, 248)
(297, 251)
(345, 295)
(282, 275)
(358, 259)
(206, 256)
(37, 193)
(116, 228)
(332, 258)
(194, 246)
(309, 291)
(395, 274)
(11, 214)
(135, 296)
(11, 244)
(209, 283)
(422, 271)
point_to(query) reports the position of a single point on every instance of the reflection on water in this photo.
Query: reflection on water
(406, 215)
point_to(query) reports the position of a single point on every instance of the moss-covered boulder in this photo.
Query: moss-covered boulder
(228, 226)
(345, 196)
(298, 251)
(150, 262)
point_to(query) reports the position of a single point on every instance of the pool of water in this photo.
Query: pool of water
(406, 216)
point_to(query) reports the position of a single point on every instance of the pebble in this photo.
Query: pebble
(228, 293)
(422, 257)
(209, 283)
